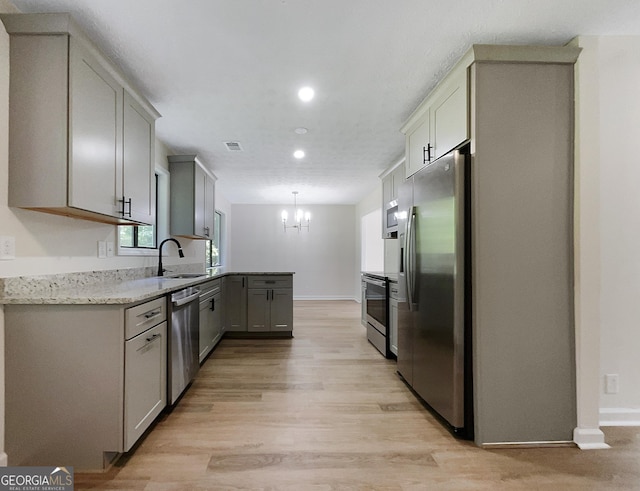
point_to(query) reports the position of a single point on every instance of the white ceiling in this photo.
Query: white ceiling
(221, 70)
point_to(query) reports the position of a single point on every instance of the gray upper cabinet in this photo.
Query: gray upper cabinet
(95, 135)
(138, 148)
(192, 197)
(81, 140)
(391, 180)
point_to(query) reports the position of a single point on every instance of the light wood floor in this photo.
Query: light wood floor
(325, 411)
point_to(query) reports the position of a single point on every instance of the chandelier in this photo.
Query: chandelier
(301, 218)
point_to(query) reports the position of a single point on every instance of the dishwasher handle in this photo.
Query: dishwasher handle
(189, 298)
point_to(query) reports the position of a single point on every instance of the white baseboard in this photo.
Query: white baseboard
(589, 438)
(619, 416)
(297, 297)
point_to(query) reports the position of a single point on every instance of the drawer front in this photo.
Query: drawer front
(270, 281)
(210, 287)
(141, 317)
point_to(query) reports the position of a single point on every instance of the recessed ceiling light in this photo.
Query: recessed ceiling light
(298, 154)
(301, 131)
(306, 94)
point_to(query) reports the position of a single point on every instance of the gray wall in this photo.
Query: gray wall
(322, 258)
(523, 258)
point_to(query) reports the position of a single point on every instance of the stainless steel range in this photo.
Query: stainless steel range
(376, 298)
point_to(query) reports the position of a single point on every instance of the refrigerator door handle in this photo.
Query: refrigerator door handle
(410, 258)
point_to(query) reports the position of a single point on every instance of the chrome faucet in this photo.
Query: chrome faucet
(180, 253)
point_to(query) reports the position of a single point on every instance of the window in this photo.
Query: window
(213, 247)
(132, 237)
(137, 236)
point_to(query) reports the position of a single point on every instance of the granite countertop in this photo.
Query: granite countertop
(87, 288)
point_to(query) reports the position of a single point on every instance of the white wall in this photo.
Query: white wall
(607, 229)
(322, 258)
(371, 242)
(371, 203)
(620, 218)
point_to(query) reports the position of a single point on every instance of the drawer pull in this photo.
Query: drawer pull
(153, 313)
(155, 336)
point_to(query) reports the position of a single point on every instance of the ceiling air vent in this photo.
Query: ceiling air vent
(233, 146)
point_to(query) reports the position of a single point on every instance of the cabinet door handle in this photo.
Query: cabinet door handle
(149, 340)
(426, 153)
(206, 231)
(152, 338)
(125, 202)
(213, 304)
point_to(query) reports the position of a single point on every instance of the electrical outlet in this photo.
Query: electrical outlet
(611, 383)
(7, 247)
(110, 250)
(102, 249)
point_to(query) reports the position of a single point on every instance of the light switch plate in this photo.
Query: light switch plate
(7, 247)
(102, 249)
(110, 250)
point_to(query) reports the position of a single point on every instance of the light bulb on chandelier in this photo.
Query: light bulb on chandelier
(301, 218)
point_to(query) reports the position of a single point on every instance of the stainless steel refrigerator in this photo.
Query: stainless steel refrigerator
(434, 338)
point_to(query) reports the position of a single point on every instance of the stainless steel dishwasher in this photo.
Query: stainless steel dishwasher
(183, 343)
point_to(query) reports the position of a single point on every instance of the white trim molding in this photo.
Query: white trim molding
(589, 439)
(619, 416)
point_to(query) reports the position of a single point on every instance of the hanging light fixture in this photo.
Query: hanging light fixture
(301, 218)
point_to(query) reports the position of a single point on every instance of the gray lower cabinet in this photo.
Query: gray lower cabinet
(145, 368)
(211, 308)
(235, 300)
(270, 304)
(83, 382)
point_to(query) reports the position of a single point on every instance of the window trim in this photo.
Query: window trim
(162, 200)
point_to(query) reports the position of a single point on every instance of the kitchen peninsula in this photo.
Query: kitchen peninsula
(92, 350)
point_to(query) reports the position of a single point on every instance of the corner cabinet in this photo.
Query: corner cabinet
(96, 379)
(192, 197)
(270, 304)
(81, 139)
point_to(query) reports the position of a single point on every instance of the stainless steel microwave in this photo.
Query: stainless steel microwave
(390, 219)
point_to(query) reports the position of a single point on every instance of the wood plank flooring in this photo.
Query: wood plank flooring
(325, 411)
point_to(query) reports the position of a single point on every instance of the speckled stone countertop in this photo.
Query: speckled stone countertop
(101, 287)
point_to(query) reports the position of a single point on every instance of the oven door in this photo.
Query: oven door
(376, 298)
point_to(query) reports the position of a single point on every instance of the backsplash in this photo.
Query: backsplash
(44, 284)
